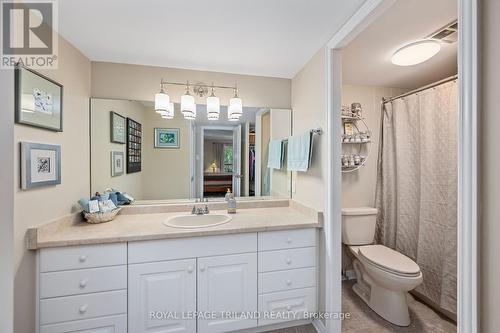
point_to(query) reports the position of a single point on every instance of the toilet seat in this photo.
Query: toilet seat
(389, 260)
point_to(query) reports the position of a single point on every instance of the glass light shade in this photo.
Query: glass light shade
(416, 53)
(188, 107)
(170, 113)
(213, 107)
(235, 108)
(162, 101)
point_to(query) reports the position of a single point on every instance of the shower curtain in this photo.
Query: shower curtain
(417, 187)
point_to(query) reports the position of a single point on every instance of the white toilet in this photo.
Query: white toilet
(384, 276)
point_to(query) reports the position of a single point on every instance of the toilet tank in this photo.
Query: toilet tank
(358, 225)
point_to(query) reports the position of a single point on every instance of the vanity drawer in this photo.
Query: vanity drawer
(287, 259)
(273, 307)
(82, 281)
(61, 309)
(285, 280)
(286, 239)
(78, 257)
(113, 324)
(194, 247)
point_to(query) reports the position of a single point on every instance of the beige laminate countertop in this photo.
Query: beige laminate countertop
(149, 226)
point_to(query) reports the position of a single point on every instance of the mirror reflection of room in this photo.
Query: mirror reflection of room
(218, 162)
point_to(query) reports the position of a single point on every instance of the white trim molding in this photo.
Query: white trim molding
(467, 162)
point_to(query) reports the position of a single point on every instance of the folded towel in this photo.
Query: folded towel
(299, 152)
(275, 157)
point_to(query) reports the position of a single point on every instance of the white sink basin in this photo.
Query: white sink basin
(197, 221)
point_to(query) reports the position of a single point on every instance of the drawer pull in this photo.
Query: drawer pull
(288, 240)
(288, 261)
(190, 269)
(83, 283)
(202, 268)
(83, 258)
(289, 307)
(288, 282)
(83, 309)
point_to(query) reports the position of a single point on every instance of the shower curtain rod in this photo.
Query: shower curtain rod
(451, 78)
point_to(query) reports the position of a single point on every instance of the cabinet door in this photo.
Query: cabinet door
(160, 296)
(227, 284)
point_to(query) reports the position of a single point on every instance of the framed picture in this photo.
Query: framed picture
(40, 165)
(118, 130)
(167, 138)
(134, 146)
(117, 163)
(38, 100)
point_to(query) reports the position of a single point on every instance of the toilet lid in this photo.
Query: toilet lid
(389, 260)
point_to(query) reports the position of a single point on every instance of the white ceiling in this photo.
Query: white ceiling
(257, 37)
(367, 59)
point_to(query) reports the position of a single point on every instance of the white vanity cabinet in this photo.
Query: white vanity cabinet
(172, 285)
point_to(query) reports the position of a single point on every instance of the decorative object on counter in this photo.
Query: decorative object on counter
(134, 146)
(38, 100)
(228, 194)
(117, 129)
(231, 204)
(167, 138)
(117, 163)
(40, 165)
(100, 208)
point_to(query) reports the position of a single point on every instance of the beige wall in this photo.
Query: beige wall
(101, 146)
(34, 206)
(309, 111)
(358, 187)
(489, 208)
(165, 172)
(110, 80)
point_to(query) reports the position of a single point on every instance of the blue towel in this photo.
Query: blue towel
(114, 197)
(299, 152)
(275, 157)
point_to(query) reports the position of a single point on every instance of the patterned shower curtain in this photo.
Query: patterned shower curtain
(417, 187)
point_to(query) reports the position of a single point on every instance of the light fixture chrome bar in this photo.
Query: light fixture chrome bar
(163, 82)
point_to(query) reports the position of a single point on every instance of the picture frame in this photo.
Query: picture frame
(38, 100)
(117, 163)
(118, 130)
(40, 165)
(167, 138)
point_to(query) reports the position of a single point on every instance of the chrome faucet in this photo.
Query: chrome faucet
(200, 210)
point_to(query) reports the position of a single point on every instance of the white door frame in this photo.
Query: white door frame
(467, 161)
(201, 169)
(258, 151)
(192, 160)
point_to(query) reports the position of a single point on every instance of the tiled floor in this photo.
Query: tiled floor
(364, 320)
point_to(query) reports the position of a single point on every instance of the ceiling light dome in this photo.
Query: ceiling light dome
(416, 53)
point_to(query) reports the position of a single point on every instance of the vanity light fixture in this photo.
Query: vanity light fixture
(235, 108)
(162, 100)
(188, 106)
(416, 52)
(213, 106)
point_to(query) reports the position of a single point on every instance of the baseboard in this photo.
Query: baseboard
(278, 326)
(319, 326)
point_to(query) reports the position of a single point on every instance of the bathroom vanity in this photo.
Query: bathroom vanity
(137, 275)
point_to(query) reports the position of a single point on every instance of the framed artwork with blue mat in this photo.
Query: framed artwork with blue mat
(167, 138)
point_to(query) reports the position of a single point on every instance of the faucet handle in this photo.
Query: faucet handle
(193, 211)
(206, 210)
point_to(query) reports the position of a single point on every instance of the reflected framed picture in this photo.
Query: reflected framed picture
(40, 165)
(118, 129)
(117, 163)
(167, 138)
(38, 100)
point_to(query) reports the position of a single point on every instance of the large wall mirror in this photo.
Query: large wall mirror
(135, 150)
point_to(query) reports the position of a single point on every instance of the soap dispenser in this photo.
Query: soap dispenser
(231, 204)
(228, 194)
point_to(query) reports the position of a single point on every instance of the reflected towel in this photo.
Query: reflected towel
(299, 152)
(275, 158)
